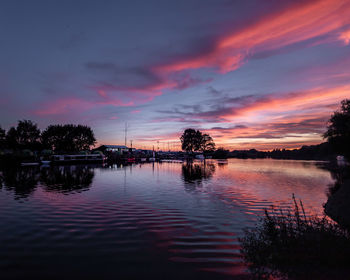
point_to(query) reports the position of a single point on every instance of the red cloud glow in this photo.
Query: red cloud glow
(72, 104)
(345, 36)
(271, 121)
(297, 24)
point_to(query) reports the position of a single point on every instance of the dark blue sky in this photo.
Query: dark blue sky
(251, 73)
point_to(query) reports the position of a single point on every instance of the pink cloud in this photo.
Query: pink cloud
(287, 120)
(102, 93)
(62, 106)
(345, 37)
(73, 105)
(295, 24)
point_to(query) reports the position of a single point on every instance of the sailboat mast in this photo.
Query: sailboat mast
(126, 132)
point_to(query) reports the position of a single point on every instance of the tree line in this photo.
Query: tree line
(321, 151)
(59, 138)
(337, 136)
(72, 138)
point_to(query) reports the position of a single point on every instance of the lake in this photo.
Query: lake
(165, 220)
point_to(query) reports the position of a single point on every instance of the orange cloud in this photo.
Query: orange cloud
(345, 36)
(63, 106)
(74, 105)
(287, 120)
(272, 105)
(296, 24)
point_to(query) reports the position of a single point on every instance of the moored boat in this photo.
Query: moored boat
(77, 158)
(29, 163)
(130, 160)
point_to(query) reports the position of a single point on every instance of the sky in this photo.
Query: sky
(252, 74)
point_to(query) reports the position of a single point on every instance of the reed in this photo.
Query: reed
(293, 245)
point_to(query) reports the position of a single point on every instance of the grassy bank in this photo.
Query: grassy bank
(294, 246)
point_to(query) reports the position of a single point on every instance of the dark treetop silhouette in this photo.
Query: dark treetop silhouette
(68, 137)
(25, 136)
(61, 138)
(2, 138)
(193, 140)
(338, 132)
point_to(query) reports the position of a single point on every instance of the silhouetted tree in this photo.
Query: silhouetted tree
(2, 138)
(338, 131)
(221, 153)
(321, 151)
(25, 136)
(53, 137)
(193, 140)
(68, 137)
(206, 144)
(11, 138)
(190, 140)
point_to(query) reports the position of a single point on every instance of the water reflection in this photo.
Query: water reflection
(67, 179)
(23, 181)
(222, 163)
(194, 173)
(338, 173)
(338, 203)
(187, 216)
(288, 245)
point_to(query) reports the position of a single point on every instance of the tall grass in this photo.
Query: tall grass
(289, 244)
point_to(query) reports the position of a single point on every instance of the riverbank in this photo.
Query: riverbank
(291, 245)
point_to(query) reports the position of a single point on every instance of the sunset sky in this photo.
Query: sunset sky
(252, 74)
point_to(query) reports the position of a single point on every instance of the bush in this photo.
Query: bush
(46, 152)
(26, 153)
(290, 244)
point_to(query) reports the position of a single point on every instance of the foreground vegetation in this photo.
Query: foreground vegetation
(294, 246)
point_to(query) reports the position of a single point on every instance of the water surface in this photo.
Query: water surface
(161, 220)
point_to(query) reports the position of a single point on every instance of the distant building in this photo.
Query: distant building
(113, 148)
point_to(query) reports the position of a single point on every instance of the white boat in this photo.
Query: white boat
(78, 158)
(341, 160)
(29, 163)
(201, 157)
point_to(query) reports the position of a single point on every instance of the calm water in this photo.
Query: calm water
(163, 220)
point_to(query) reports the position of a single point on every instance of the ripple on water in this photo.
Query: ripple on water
(164, 220)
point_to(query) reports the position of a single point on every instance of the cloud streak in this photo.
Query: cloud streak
(129, 86)
(109, 71)
(295, 24)
(298, 116)
(68, 105)
(302, 22)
